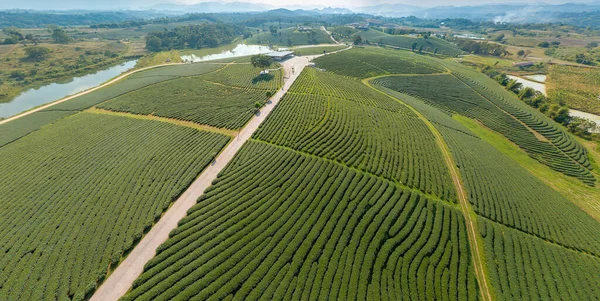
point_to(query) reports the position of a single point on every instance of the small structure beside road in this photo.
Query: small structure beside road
(280, 55)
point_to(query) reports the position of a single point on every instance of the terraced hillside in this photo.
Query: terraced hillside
(534, 238)
(225, 98)
(76, 195)
(321, 218)
(557, 150)
(458, 89)
(369, 62)
(301, 227)
(430, 44)
(340, 119)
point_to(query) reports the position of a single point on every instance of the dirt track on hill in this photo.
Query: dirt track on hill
(465, 206)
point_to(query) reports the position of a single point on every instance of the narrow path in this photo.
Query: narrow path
(190, 124)
(119, 282)
(329, 33)
(116, 79)
(468, 212)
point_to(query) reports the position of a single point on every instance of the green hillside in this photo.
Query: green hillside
(288, 37)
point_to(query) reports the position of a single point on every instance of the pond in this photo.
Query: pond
(239, 50)
(45, 94)
(530, 84)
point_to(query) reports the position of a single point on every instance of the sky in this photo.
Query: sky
(121, 4)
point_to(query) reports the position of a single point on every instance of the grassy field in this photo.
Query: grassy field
(153, 59)
(19, 73)
(579, 88)
(78, 194)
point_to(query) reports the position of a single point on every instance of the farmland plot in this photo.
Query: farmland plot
(304, 228)
(555, 149)
(76, 195)
(340, 119)
(224, 99)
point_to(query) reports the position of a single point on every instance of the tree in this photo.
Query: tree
(435, 51)
(60, 36)
(261, 61)
(413, 46)
(521, 53)
(273, 30)
(421, 49)
(526, 93)
(513, 86)
(357, 40)
(153, 43)
(37, 53)
(544, 44)
(591, 45)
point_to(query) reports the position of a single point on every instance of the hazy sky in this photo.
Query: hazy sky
(120, 4)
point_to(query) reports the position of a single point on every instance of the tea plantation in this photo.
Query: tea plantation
(76, 195)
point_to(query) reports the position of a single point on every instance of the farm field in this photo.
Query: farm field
(290, 37)
(21, 127)
(77, 195)
(510, 199)
(301, 227)
(461, 93)
(579, 88)
(134, 82)
(381, 174)
(360, 128)
(225, 98)
(369, 62)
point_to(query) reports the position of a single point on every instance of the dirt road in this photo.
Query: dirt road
(329, 33)
(119, 282)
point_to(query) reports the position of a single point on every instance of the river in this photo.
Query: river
(239, 50)
(48, 93)
(542, 88)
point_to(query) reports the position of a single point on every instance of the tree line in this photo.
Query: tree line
(207, 35)
(486, 48)
(557, 110)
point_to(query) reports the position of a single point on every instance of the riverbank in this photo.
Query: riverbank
(62, 63)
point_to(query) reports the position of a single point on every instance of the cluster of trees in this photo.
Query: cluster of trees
(485, 48)
(558, 111)
(14, 36)
(193, 36)
(36, 19)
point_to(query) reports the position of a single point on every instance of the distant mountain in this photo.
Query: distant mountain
(213, 7)
(389, 10)
(530, 12)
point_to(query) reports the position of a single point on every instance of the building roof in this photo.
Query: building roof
(280, 53)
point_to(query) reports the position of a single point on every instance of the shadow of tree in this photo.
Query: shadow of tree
(263, 78)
